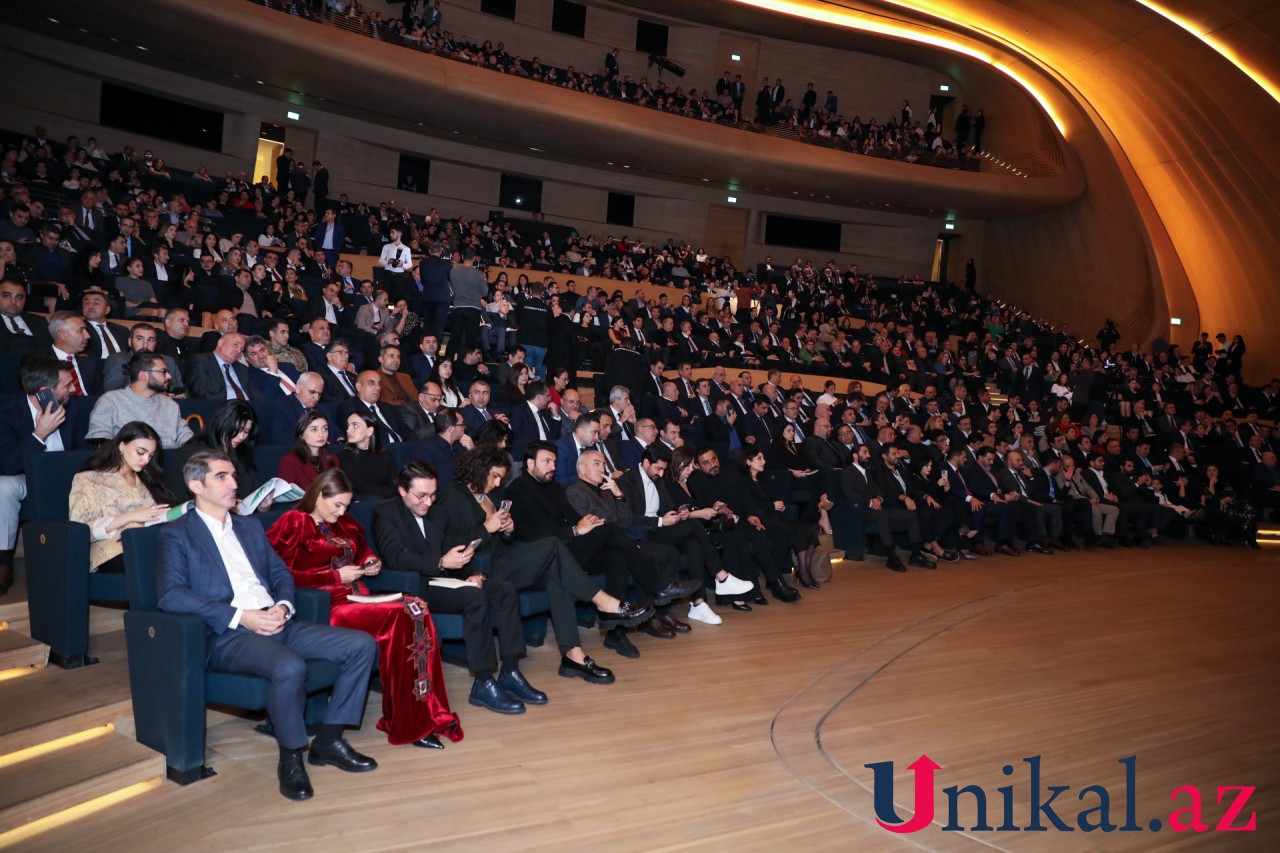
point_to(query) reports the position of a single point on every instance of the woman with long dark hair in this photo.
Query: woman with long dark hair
(443, 376)
(120, 487)
(365, 461)
(233, 429)
(324, 548)
(799, 536)
(310, 456)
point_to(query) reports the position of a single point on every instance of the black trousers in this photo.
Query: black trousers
(690, 539)
(464, 331)
(610, 549)
(901, 520)
(548, 563)
(492, 607)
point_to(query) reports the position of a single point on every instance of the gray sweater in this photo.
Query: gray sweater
(114, 409)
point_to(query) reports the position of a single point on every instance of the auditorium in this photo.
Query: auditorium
(518, 425)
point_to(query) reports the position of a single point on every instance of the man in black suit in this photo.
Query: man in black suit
(819, 450)
(20, 331)
(104, 338)
(408, 540)
(756, 429)
(219, 375)
(444, 448)
(863, 488)
(339, 381)
(540, 509)
(532, 418)
(69, 338)
(478, 413)
(627, 368)
(391, 421)
(224, 323)
(422, 364)
(219, 566)
(1040, 519)
(28, 426)
(271, 377)
(420, 413)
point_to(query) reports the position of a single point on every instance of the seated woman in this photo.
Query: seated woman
(120, 487)
(785, 454)
(511, 393)
(443, 376)
(139, 293)
(310, 456)
(366, 462)
(233, 429)
(798, 536)
(324, 548)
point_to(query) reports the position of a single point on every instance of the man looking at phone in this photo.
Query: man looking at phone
(409, 541)
(32, 422)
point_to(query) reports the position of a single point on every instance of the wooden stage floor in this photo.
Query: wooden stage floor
(754, 735)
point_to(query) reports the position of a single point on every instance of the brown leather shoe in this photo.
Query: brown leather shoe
(673, 623)
(981, 550)
(654, 628)
(1008, 551)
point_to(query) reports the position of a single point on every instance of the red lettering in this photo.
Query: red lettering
(1233, 811)
(1197, 823)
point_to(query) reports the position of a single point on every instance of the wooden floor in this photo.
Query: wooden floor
(753, 735)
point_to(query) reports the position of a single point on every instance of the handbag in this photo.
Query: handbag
(820, 565)
(722, 524)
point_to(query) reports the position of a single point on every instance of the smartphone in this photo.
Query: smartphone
(45, 398)
(505, 506)
(474, 544)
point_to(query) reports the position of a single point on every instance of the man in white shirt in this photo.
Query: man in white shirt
(221, 567)
(397, 260)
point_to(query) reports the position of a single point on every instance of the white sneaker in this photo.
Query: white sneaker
(703, 613)
(733, 586)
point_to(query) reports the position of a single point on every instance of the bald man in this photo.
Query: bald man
(219, 375)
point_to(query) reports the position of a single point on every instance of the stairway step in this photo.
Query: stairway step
(19, 650)
(54, 702)
(60, 779)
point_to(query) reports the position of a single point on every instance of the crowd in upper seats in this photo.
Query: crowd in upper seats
(898, 137)
(736, 473)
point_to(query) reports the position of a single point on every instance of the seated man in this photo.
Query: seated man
(145, 399)
(861, 485)
(29, 425)
(540, 509)
(219, 375)
(142, 338)
(596, 493)
(408, 540)
(221, 567)
(449, 442)
(1039, 518)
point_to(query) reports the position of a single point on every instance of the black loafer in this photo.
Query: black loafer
(514, 682)
(588, 671)
(948, 557)
(628, 614)
(919, 561)
(894, 564)
(738, 605)
(675, 590)
(429, 742)
(342, 756)
(618, 640)
(294, 782)
(761, 600)
(487, 693)
(782, 592)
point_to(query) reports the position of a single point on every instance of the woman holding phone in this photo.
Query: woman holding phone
(324, 548)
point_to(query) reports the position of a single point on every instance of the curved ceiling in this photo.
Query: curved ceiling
(500, 111)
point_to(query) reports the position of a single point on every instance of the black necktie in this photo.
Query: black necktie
(392, 435)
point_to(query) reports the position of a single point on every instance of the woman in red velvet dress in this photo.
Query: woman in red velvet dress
(325, 549)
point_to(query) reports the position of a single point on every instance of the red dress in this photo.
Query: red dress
(414, 701)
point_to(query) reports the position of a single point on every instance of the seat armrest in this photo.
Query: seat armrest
(312, 605)
(167, 653)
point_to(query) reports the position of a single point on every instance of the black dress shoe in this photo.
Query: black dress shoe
(1037, 548)
(674, 624)
(487, 693)
(894, 563)
(919, 561)
(618, 640)
(654, 628)
(588, 671)
(429, 742)
(294, 782)
(783, 592)
(741, 605)
(514, 682)
(674, 590)
(628, 615)
(342, 756)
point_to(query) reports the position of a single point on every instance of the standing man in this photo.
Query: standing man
(320, 185)
(329, 233)
(469, 289)
(397, 260)
(436, 293)
(221, 567)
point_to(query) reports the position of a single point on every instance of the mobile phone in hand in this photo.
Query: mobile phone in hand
(505, 506)
(45, 398)
(473, 544)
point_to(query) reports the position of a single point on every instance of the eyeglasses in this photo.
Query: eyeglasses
(163, 370)
(422, 497)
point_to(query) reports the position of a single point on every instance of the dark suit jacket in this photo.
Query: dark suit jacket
(567, 460)
(823, 454)
(524, 427)
(402, 544)
(627, 368)
(285, 412)
(206, 381)
(633, 490)
(442, 455)
(540, 510)
(193, 578)
(18, 342)
(394, 416)
(94, 348)
(420, 368)
(269, 386)
(859, 486)
(419, 422)
(334, 392)
(472, 420)
(16, 438)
